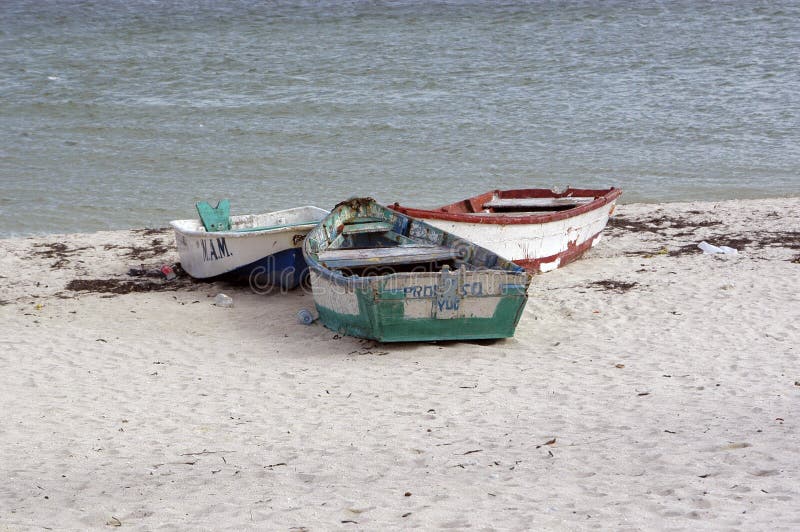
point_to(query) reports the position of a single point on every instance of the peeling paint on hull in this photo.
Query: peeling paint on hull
(380, 311)
(483, 296)
(540, 242)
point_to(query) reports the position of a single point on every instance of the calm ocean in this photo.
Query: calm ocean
(117, 114)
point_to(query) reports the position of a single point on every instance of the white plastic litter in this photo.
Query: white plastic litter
(711, 249)
(708, 248)
(221, 300)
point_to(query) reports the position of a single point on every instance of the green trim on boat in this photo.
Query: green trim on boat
(387, 323)
(270, 227)
(215, 218)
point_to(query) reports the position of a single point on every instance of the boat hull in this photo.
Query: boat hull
(271, 257)
(537, 247)
(405, 308)
(539, 242)
(482, 298)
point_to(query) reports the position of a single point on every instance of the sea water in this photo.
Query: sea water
(117, 114)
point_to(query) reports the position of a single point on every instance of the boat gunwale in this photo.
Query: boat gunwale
(602, 197)
(358, 282)
(355, 281)
(302, 226)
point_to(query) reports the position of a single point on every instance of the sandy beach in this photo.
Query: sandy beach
(649, 386)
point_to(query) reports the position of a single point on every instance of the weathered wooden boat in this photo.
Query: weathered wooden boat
(377, 273)
(538, 229)
(262, 248)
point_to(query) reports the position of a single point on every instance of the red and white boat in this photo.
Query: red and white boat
(539, 229)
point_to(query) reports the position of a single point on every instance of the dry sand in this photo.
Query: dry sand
(648, 386)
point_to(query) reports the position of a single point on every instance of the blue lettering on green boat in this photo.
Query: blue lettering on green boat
(419, 291)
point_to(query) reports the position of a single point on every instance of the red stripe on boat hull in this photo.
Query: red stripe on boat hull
(574, 251)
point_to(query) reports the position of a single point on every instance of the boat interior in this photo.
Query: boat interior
(521, 202)
(216, 219)
(527, 205)
(369, 247)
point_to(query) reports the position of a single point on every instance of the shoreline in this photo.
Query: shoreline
(648, 386)
(620, 201)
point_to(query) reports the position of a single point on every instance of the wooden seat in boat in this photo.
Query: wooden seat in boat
(522, 203)
(521, 214)
(366, 227)
(354, 258)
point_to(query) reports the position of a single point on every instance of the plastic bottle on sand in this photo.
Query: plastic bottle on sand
(305, 317)
(223, 301)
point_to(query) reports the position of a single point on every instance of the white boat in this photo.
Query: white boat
(265, 249)
(539, 229)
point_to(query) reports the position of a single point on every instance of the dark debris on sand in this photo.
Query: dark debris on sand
(659, 225)
(142, 281)
(125, 286)
(116, 286)
(57, 250)
(674, 227)
(63, 252)
(150, 231)
(688, 249)
(156, 249)
(613, 286)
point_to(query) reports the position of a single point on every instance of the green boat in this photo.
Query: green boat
(376, 273)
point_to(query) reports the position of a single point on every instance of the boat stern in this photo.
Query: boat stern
(451, 305)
